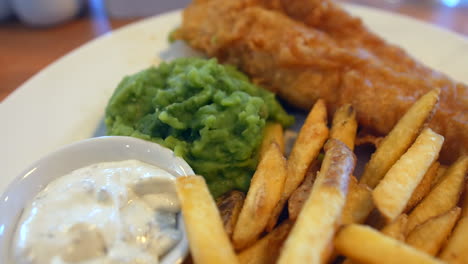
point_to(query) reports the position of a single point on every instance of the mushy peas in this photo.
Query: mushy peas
(208, 113)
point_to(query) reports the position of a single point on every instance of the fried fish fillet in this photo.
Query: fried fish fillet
(309, 49)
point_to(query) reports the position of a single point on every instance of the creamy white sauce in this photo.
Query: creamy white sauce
(114, 212)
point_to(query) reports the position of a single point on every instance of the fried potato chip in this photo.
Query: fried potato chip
(202, 221)
(300, 195)
(424, 186)
(312, 235)
(397, 228)
(443, 197)
(359, 203)
(394, 191)
(430, 235)
(267, 249)
(344, 125)
(263, 195)
(273, 133)
(309, 142)
(363, 244)
(400, 138)
(229, 206)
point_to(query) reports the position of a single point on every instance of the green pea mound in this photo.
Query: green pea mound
(207, 113)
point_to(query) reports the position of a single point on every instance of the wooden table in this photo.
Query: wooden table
(24, 50)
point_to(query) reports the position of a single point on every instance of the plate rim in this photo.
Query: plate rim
(348, 6)
(24, 89)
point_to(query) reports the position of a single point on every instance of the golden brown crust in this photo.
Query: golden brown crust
(229, 206)
(300, 195)
(309, 49)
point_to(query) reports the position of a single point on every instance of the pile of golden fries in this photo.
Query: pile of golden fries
(311, 209)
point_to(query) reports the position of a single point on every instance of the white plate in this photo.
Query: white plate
(65, 102)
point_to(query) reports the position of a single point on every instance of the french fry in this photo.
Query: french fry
(262, 197)
(349, 261)
(359, 203)
(465, 201)
(344, 125)
(312, 235)
(208, 240)
(394, 191)
(363, 244)
(310, 140)
(397, 228)
(273, 133)
(300, 195)
(424, 187)
(376, 220)
(266, 250)
(400, 138)
(430, 235)
(368, 139)
(229, 206)
(188, 259)
(456, 248)
(443, 197)
(440, 173)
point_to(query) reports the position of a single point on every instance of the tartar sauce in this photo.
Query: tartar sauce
(113, 212)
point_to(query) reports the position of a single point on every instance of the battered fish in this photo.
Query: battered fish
(309, 49)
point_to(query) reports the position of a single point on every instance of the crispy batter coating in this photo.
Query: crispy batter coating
(309, 49)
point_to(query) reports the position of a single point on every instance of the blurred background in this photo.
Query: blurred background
(34, 33)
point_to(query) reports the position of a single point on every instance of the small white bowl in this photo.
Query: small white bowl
(60, 162)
